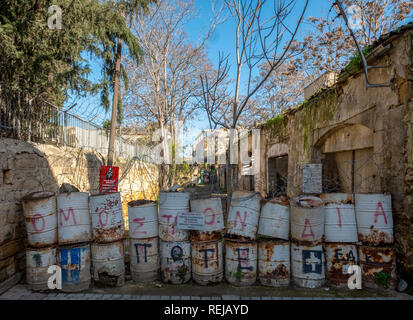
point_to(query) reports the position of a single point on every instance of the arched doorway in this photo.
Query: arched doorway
(349, 163)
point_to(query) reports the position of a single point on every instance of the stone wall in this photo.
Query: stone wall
(23, 169)
(81, 168)
(348, 122)
(26, 168)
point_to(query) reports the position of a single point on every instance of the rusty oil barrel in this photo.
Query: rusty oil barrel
(374, 218)
(339, 256)
(75, 263)
(207, 261)
(73, 218)
(241, 262)
(175, 261)
(307, 220)
(107, 221)
(143, 219)
(378, 267)
(170, 204)
(275, 219)
(307, 265)
(41, 219)
(108, 264)
(274, 262)
(214, 218)
(244, 214)
(38, 261)
(144, 259)
(340, 218)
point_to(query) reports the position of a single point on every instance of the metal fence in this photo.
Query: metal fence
(24, 118)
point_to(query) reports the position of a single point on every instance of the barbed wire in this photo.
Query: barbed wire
(363, 173)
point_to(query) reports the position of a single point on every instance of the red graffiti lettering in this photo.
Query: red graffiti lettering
(211, 222)
(339, 217)
(100, 218)
(380, 213)
(34, 222)
(307, 223)
(169, 216)
(70, 211)
(243, 221)
(140, 224)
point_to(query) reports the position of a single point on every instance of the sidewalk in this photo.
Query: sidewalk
(21, 292)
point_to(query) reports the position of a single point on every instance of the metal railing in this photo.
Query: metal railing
(28, 119)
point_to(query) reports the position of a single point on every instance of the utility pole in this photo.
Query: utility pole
(115, 104)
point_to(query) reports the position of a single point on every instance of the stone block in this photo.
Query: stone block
(6, 232)
(6, 262)
(10, 248)
(7, 271)
(26, 162)
(9, 283)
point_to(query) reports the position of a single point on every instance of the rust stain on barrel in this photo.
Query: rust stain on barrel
(280, 272)
(102, 235)
(375, 237)
(200, 236)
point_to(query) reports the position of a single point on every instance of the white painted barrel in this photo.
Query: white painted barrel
(307, 219)
(41, 218)
(108, 263)
(73, 218)
(143, 219)
(212, 209)
(378, 266)
(38, 262)
(275, 220)
(170, 204)
(107, 220)
(175, 261)
(241, 262)
(307, 265)
(75, 263)
(374, 218)
(339, 256)
(340, 218)
(274, 262)
(144, 259)
(244, 214)
(207, 262)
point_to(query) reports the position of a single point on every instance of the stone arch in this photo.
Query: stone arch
(349, 163)
(346, 138)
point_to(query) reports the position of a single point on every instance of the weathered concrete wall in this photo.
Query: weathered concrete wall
(374, 124)
(26, 168)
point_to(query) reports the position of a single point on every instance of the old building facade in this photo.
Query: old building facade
(363, 138)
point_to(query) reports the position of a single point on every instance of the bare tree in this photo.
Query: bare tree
(328, 46)
(263, 35)
(164, 86)
(283, 90)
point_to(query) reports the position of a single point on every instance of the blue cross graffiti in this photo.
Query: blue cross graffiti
(312, 261)
(70, 262)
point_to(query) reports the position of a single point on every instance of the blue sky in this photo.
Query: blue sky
(222, 40)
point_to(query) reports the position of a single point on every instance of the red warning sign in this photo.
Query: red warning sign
(109, 177)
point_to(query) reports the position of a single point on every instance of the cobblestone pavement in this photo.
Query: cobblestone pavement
(21, 292)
